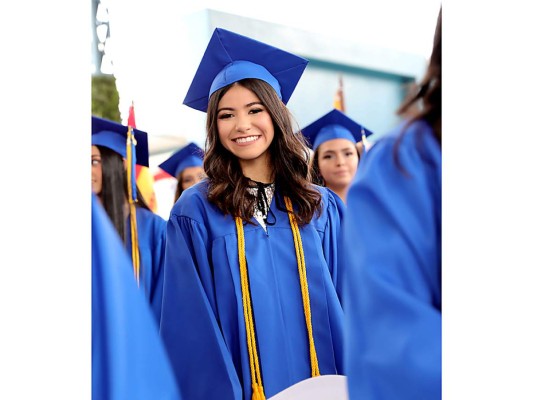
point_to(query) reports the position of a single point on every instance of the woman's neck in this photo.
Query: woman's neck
(258, 170)
(342, 192)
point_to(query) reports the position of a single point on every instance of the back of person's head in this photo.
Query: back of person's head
(427, 99)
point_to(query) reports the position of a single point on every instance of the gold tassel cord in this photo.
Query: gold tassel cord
(255, 369)
(304, 287)
(133, 215)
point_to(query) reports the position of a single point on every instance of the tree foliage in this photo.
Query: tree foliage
(105, 97)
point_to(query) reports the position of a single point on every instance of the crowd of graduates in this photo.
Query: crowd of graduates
(286, 255)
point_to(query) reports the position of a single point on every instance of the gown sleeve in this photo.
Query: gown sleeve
(331, 243)
(392, 297)
(189, 323)
(158, 259)
(335, 210)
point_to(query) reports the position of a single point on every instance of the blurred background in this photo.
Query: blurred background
(362, 59)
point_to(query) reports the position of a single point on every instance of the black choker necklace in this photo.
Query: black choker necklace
(260, 184)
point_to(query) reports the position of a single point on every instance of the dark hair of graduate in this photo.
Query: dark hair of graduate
(179, 187)
(425, 101)
(289, 158)
(316, 176)
(114, 193)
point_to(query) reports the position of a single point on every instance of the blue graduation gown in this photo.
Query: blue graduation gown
(151, 232)
(128, 357)
(392, 298)
(202, 320)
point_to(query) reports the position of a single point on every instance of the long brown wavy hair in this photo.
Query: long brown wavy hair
(288, 153)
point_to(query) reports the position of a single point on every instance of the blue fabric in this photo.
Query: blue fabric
(239, 70)
(113, 135)
(392, 250)
(128, 357)
(151, 234)
(202, 320)
(230, 57)
(190, 155)
(333, 125)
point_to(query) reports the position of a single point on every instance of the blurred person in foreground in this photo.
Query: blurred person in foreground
(129, 360)
(116, 150)
(392, 240)
(186, 165)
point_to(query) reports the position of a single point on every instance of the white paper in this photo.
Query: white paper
(325, 387)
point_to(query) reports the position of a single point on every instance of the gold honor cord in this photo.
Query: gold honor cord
(133, 215)
(255, 369)
(258, 392)
(303, 284)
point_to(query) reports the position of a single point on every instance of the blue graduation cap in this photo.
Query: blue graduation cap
(231, 57)
(334, 125)
(114, 136)
(188, 156)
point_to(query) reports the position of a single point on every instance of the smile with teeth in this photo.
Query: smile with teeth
(246, 139)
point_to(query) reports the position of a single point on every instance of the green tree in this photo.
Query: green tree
(105, 97)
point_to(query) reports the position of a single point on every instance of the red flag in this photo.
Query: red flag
(131, 117)
(338, 101)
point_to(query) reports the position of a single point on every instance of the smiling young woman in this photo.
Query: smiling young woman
(251, 301)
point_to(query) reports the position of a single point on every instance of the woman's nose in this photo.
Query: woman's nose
(243, 123)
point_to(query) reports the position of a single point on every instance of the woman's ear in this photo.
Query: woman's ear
(125, 163)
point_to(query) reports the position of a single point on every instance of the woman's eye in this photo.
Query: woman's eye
(255, 110)
(224, 116)
(349, 153)
(95, 162)
(326, 157)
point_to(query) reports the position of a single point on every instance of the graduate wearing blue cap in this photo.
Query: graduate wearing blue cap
(392, 239)
(251, 303)
(116, 149)
(186, 165)
(333, 138)
(129, 360)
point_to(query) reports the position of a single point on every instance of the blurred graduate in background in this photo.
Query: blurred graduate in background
(333, 138)
(392, 239)
(186, 165)
(129, 360)
(250, 302)
(115, 151)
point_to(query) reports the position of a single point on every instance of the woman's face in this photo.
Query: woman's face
(337, 162)
(96, 170)
(190, 176)
(244, 125)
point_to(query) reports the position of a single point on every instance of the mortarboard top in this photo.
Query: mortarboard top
(113, 135)
(334, 125)
(230, 57)
(188, 156)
